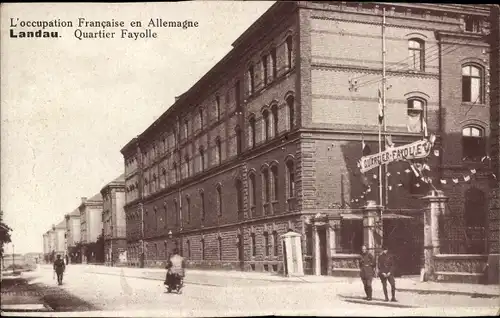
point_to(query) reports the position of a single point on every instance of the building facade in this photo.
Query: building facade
(90, 226)
(60, 238)
(271, 136)
(73, 236)
(114, 223)
(46, 247)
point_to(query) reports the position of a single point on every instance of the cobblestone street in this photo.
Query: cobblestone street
(94, 288)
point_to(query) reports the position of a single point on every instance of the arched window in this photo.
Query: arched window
(174, 173)
(165, 215)
(200, 116)
(290, 173)
(154, 182)
(267, 245)
(416, 54)
(163, 178)
(265, 73)
(202, 159)
(275, 183)
(188, 209)
(290, 102)
(473, 143)
(202, 199)
(254, 244)
(472, 84)
(177, 213)
(217, 108)
(274, 67)
(174, 137)
(265, 190)
(238, 132)
(186, 128)
(251, 132)
(289, 52)
(275, 243)
(218, 151)
(187, 166)
(416, 114)
(265, 118)
(274, 112)
(146, 192)
(475, 219)
(250, 80)
(219, 200)
(239, 196)
(251, 193)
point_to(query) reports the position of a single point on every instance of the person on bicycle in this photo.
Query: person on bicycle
(175, 267)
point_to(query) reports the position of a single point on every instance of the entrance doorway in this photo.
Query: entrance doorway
(323, 255)
(241, 252)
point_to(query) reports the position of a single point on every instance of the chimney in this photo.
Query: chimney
(84, 199)
(177, 98)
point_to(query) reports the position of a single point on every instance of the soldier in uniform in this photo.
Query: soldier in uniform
(59, 268)
(386, 272)
(367, 271)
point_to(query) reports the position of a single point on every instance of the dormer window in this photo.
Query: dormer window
(471, 24)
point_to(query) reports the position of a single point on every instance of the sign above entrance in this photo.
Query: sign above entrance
(416, 150)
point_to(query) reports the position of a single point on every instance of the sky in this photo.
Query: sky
(68, 106)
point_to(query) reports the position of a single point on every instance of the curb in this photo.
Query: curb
(447, 292)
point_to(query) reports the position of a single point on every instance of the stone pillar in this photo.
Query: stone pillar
(372, 229)
(436, 201)
(316, 252)
(334, 236)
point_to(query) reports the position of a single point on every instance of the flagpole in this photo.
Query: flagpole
(384, 88)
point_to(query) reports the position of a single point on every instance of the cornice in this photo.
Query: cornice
(357, 69)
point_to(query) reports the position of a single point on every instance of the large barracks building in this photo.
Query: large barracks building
(269, 140)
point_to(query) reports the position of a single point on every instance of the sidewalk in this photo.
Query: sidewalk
(404, 284)
(20, 296)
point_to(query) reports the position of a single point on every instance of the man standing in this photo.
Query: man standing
(386, 272)
(367, 271)
(59, 268)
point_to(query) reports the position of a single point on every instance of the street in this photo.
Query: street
(91, 288)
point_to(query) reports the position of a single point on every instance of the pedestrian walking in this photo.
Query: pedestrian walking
(367, 271)
(386, 266)
(59, 268)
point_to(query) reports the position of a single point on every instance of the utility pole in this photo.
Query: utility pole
(382, 168)
(13, 260)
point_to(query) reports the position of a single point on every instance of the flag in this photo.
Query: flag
(365, 149)
(415, 171)
(466, 178)
(380, 107)
(432, 139)
(388, 174)
(455, 180)
(426, 167)
(473, 171)
(390, 188)
(407, 170)
(443, 181)
(388, 142)
(424, 126)
(436, 152)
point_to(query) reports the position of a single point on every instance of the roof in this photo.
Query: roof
(96, 197)
(61, 225)
(121, 178)
(76, 212)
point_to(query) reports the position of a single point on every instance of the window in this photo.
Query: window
(266, 243)
(416, 54)
(274, 112)
(290, 101)
(237, 94)
(188, 243)
(254, 245)
(202, 249)
(219, 200)
(264, 70)
(238, 139)
(154, 183)
(188, 208)
(275, 182)
(165, 213)
(472, 86)
(186, 128)
(415, 111)
(217, 107)
(218, 151)
(219, 241)
(202, 159)
(163, 178)
(251, 132)
(265, 118)
(250, 79)
(265, 186)
(174, 172)
(202, 198)
(186, 166)
(471, 24)
(200, 115)
(275, 243)
(145, 186)
(177, 213)
(174, 136)
(273, 63)
(473, 143)
(252, 191)
(289, 51)
(239, 196)
(290, 179)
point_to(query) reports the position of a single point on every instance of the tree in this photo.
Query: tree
(4, 234)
